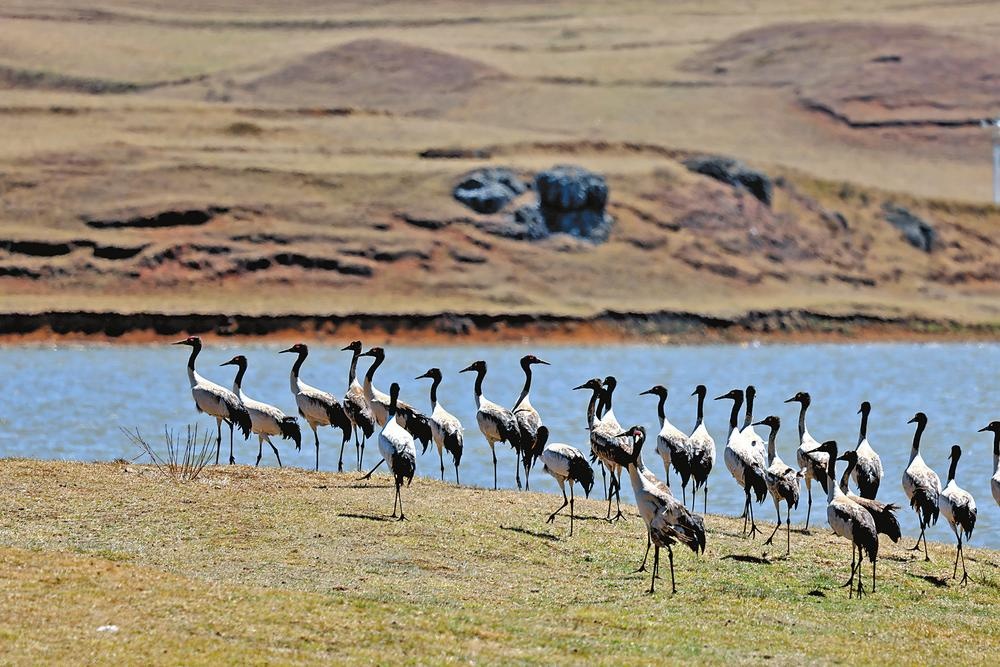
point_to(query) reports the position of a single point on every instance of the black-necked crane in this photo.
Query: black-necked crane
(566, 464)
(994, 427)
(528, 420)
(959, 509)
(667, 520)
(316, 406)
(356, 406)
(702, 447)
(884, 514)
(810, 459)
(395, 444)
(496, 423)
(850, 520)
(445, 427)
(671, 442)
(868, 472)
(607, 442)
(217, 401)
(741, 461)
(416, 423)
(782, 482)
(265, 420)
(921, 485)
(597, 389)
(748, 432)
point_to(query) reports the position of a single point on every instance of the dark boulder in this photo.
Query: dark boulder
(917, 232)
(488, 190)
(572, 200)
(734, 173)
(530, 218)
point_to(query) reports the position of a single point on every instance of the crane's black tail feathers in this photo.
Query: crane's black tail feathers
(453, 445)
(582, 472)
(886, 522)
(754, 476)
(925, 502)
(239, 416)
(965, 518)
(419, 426)
(403, 467)
(338, 419)
(290, 431)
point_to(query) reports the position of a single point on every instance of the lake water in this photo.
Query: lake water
(68, 402)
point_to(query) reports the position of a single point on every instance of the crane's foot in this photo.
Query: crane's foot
(232, 460)
(551, 519)
(754, 530)
(402, 517)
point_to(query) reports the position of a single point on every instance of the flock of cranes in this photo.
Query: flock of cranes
(753, 463)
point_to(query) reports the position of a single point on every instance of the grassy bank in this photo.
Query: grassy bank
(249, 565)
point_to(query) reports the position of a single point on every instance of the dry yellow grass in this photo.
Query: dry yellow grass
(262, 565)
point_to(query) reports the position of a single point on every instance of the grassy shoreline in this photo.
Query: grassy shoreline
(263, 565)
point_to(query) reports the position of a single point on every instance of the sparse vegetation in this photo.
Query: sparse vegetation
(283, 565)
(183, 458)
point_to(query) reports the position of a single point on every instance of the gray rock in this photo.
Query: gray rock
(488, 190)
(531, 219)
(572, 201)
(917, 232)
(734, 173)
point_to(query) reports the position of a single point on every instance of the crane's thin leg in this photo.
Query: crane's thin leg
(604, 478)
(788, 531)
(369, 475)
(317, 452)
(753, 524)
(402, 517)
(746, 510)
(232, 459)
(704, 509)
(873, 575)
(441, 458)
(395, 501)
(649, 543)
(494, 452)
(552, 517)
(276, 454)
(861, 559)
(218, 440)
(618, 495)
(684, 494)
(456, 476)
(777, 508)
(517, 467)
(809, 507)
(927, 556)
(854, 550)
(656, 565)
(340, 462)
(527, 475)
(260, 449)
(572, 498)
(361, 456)
(965, 573)
(958, 550)
(670, 556)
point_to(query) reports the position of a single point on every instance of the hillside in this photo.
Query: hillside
(265, 565)
(299, 161)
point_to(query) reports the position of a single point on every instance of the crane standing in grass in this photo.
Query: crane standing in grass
(868, 472)
(782, 482)
(316, 406)
(496, 423)
(667, 520)
(528, 420)
(959, 509)
(395, 445)
(445, 427)
(217, 401)
(811, 460)
(741, 460)
(702, 448)
(994, 427)
(357, 407)
(566, 464)
(921, 485)
(671, 443)
(265, 420)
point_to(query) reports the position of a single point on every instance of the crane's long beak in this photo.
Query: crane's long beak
(644, 393)
(789, 400)
(582, 386)
(984, 429)
(470, 367)
(366, 353)
(421, 377)
(283, 351)
(543, 362)
(760, 423)
(180, 342)
(912, 421)
(231, 362)
(724, 396)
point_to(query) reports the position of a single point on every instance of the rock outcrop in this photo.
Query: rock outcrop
(735, 173)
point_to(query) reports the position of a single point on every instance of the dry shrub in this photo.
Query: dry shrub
(183, 458)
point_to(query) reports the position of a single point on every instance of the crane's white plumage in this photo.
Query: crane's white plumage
(867, 474)
(565, 463)
(266, 420)
(921, 485)
(812, 461)
(395, 444)
(959, 509)
(496, 423)
(317, 407)
(446, 429)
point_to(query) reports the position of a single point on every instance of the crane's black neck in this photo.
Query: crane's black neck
(435, 381)
(921, 425)
(748, 416)
(996, 443)
(298, 362)
(353, 373)
(480, 376)
(802, 420)
(195, 349)
(370, 375)
(527, 383)
(851, 463)
(393, 397)
(863, 433)
(771, 440)
(606, 397)
(592, 406)
(660, 412)
(701, 410)
(735, 414)
(831, 469)
(238, 382)
(954, 464)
